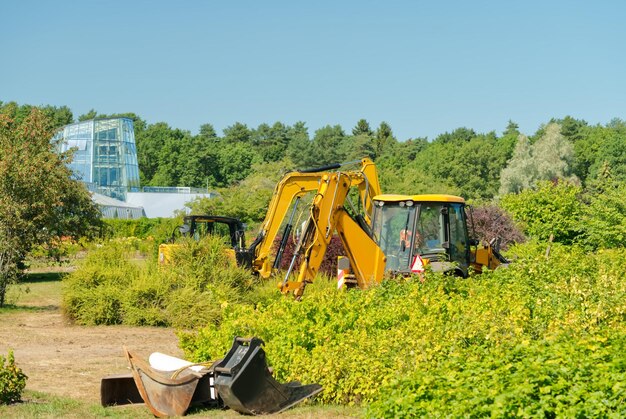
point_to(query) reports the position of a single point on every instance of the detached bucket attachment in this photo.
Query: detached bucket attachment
(165, 393)
(245, 384)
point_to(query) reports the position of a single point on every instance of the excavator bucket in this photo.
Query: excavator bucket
(164, 393)
(245, 384)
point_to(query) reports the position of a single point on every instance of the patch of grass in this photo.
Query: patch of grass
(307, 410)
(12, 308)
(40, 291)
(42, 405)
(37, 277)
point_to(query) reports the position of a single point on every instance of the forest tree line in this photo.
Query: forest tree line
(584, 163)
(462, 161)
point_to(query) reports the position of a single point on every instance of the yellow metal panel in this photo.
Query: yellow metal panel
(419, 198)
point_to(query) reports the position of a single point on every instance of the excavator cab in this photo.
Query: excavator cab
(199, 226)
(428, 229)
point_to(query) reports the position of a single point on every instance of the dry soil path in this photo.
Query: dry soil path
(69, 360)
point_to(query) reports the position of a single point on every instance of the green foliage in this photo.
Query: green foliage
(116, 285)
(604, 218)
(542, 337)
(549, 158)
(414, 180)
(248, 200)
(549, 209)
(39, 202)
(562, 377)
(326, 147)
(12, 380)
(467, 163)
(158, 228)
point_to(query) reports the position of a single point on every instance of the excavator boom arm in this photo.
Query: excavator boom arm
(328, 216)
(294, 185)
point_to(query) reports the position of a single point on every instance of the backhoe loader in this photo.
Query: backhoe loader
(384, 234)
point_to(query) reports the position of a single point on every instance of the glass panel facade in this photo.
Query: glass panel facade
(105, 156)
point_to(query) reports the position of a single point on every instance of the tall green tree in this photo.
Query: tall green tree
(549, 158)
(299, 144)
(326, 147)
(208, 132)
(603, 146)
(39, 201)
(362, 127)
(271, 142)
(57, 116)
(235, 162)
(91, 114)
(237, 133)
(458, 135)
(383, 138)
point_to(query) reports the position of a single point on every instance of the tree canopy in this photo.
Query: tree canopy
(240, 161)
(39, 200)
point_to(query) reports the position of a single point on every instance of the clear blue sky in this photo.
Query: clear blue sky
(425, 67)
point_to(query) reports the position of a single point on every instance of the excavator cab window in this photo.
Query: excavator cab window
(434, 230)
(198, 226)
(443, 226)
(393, 228)
(459, 239)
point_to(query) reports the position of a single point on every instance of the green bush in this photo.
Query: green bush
(604, 219)
(451, 337)
(12, 380)
(141, 227)
(111, 286)
(549, 209)
(563, 377)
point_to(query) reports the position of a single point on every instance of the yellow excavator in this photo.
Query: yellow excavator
(383, 234)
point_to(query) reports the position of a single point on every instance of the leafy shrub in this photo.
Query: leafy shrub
(563, 377)
(12, 380)
(141, 227)
(492, 222)
(604, 219)
(110, 287)
(549, 209)
(404, 345)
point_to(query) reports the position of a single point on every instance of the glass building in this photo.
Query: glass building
(105, 156)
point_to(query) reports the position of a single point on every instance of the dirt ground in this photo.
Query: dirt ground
(69, 360)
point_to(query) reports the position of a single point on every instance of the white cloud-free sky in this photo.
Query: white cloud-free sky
(425, 67)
